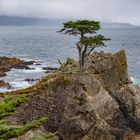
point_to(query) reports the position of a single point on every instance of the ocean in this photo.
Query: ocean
(46, 45)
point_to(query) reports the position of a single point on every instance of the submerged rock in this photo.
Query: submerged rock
(30, 80)
(100, 104)
(49, 68)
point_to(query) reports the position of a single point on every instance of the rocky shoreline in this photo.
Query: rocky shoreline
(100, 104)
(6, 64)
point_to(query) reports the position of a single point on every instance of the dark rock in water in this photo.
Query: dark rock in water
(49, 68)
(4, 84)
(99, 104)
(2, 74)
(6, 64)
(48, 71)
(20, 66)
(29, 62)
(30, 80)
(37, 64)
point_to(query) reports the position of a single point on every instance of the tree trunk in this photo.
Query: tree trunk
(80, 65)
(80, 62)
(82, 58)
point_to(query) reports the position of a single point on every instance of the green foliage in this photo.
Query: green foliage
(7, 132)
(9, 104)
(83, 27)
(97, 40)
(7, 107)
(4, 128)
(80, 27)
(86, 44)
(2, 122)
(35, 124)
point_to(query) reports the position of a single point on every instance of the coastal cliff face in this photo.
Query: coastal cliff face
(107, 105)
(100, 104)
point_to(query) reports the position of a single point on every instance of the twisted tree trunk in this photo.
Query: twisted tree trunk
(82, 51)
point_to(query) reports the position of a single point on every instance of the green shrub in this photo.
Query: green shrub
(9, 104)
(7, 132)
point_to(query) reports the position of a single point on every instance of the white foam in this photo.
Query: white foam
(4, 89)
(16, 77)
(135, 80)
(34, 60)
(132, 79)
(20, 84)
(34, 70)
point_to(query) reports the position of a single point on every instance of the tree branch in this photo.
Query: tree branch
(91, 50)
(84, 51)
(60, 63)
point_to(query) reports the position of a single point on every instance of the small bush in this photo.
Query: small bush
(9, 104)
(7, 132)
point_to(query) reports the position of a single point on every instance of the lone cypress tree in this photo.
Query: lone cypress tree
(87, 43)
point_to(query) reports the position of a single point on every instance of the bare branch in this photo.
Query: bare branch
(60, 63)
(79, 47)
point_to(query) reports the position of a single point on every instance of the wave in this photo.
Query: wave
(34, 70)
(135, 80)
(16, 77)
(20, 84)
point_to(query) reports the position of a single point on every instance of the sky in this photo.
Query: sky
(124, 11)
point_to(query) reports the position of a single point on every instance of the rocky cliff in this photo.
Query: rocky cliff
(100, 104)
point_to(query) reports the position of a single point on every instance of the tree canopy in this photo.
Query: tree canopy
(80, 27)
(87, 42)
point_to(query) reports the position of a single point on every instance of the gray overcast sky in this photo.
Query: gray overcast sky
(126, 11)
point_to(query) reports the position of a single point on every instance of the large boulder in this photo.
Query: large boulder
(107, 106)
(92, 113)
(110, 69)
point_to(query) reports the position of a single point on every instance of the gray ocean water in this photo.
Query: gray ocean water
(46, 45)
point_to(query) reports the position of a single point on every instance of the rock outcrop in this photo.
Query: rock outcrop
(100, 104)
(4, 84)
(6, 64)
